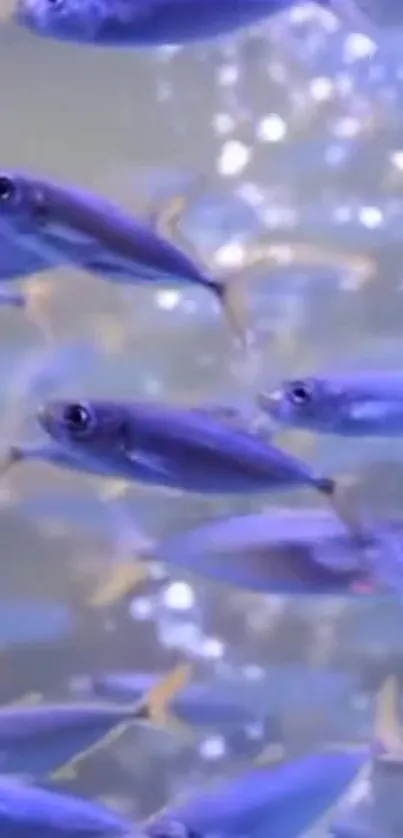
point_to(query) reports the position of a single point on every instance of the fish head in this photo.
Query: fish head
(22, 204)
(70, 20)
(89, 429)
(305, 403)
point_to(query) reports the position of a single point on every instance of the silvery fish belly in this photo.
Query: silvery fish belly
(142, 22)
(351, 404)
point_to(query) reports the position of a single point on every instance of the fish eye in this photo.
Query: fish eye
(77, 418)
(7, 188)
(299, 393)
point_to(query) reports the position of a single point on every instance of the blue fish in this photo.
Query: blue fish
(355, 404)
(234, 699)
(32, 812)
(294, 551)
(174, 447)
(198, 705)
(55, 739)
(65, 225)
(147, 23)
(375, 809)
(281, 551)
(283, 802)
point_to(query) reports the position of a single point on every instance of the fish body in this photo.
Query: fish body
(300, 551)
(198, 705)
(282, 801)
(31, 812)
(152, 23)
(143, 22)
(44, 737)
(352, 405)
(63, 224)
(180, 448)
(236, 699)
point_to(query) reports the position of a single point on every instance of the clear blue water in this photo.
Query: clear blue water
(297, 128)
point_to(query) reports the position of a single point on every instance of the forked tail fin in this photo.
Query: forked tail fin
(388, 736)
(232, 301)
(154, 706)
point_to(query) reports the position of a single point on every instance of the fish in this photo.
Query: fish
(233, 699)
(168, 446)
(283, 801)
(151, 23)
(65, 225)
(375, 809)
(54, 739)
(292, 551)
(356, 404)
(280, 551)
(29, 811)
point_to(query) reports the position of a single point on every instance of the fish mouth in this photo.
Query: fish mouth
(45, 418)
(270, 401)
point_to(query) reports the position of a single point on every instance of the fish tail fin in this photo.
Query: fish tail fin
(327, 486)
(37, 296)
(345, 508)
(388, 736)
(154, 707)
(232, 302)
(14, 455)
(272, 754)
(121, 581)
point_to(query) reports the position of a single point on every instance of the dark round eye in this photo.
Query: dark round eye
(300, 393)
(7, 188)
(77, 417)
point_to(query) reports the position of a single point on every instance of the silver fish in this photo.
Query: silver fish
(299, 551)
(27, 811)
(174, 447)
(143, 23)
(55, 738)
(235, 699)
(66, 225)
(353, 404)
(285, 801)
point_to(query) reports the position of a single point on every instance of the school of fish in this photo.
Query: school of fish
(205, 449)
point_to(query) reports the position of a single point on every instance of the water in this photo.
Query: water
(302, 121)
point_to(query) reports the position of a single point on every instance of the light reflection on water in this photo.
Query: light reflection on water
(296, 129)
